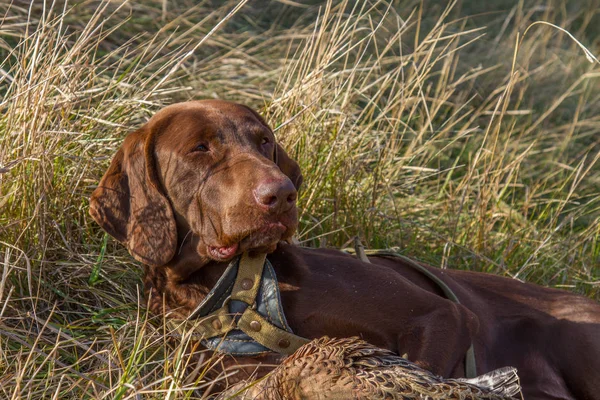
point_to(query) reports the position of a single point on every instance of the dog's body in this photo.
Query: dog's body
(204, 181)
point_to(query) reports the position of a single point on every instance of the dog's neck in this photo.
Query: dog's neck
(189, 273)
(185, 280)
(189, 265)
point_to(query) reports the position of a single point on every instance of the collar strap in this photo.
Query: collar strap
(248, 278)
(222, 321)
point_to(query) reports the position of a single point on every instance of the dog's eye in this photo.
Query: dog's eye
(264, 140)
(201, 147)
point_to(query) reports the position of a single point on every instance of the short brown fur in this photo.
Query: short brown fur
(184, 212)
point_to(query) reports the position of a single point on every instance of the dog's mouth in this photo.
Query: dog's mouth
(224, 252)
(263, 239)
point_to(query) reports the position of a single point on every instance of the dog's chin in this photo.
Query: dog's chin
(256, 241)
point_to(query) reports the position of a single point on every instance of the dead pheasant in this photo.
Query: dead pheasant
(344, 369)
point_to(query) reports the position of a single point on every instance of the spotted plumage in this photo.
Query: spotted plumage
(350, 368)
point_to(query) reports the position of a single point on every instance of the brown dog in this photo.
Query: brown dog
(204, 181)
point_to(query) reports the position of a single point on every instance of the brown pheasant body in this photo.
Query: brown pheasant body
(350, 368)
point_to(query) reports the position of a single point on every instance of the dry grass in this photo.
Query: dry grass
(466, 146)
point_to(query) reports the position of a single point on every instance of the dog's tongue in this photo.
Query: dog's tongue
(225, 251)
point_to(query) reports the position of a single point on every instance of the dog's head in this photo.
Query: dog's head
(206, 168)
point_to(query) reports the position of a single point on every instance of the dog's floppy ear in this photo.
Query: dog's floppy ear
(129, 205)
(288, 166)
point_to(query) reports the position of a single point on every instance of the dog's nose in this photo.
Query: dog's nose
(276, 196)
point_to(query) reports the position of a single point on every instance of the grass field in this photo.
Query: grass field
(465, 135)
